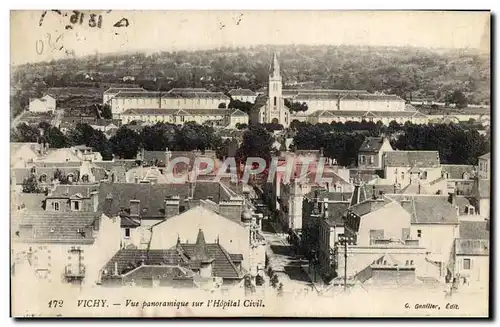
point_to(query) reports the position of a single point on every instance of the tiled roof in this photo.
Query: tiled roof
(152, 196)
(55, 227)
(420, 159)
(371, 144)
(223, 266)
(474, 230)
(187, 90)
(30, 201)
(457, 171)
(472, 247)
(242, 92)
(428, 209)
(238, 112)
(128, 259)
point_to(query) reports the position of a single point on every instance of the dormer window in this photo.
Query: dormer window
(56, 206)
(85, 178)
(43, 178)
(75, 205)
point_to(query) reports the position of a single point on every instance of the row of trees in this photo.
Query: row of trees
(456, 143)
(126, 142)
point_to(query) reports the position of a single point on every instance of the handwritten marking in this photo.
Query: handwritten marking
(122, 23)
(42, 17)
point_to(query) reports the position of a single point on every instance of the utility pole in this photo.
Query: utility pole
(343, 240)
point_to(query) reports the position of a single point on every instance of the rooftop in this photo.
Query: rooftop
(419, 159)
(428, 209)
(372, 144)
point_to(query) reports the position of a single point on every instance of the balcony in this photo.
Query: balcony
(74, 272)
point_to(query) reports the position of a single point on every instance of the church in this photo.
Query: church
(327, 106)
(271, 108)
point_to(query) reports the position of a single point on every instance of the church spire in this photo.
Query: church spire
(200, 252)
(275, 66)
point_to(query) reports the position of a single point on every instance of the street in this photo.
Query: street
(284, 261)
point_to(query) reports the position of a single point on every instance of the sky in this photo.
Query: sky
(32, 41)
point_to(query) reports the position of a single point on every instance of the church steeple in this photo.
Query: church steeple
(275, 66)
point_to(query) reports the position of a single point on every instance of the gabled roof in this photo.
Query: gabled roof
(369, 206)
(420, 159)
(55, 227)
(238, 112)
(68, 191)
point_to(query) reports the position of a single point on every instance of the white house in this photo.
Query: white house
(44, 104)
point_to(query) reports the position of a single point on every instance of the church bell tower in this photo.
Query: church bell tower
(276, 105)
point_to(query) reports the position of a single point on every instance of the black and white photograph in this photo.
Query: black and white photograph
(250, 163)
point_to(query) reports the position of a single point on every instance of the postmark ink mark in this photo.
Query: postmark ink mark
(238, 20)
(42, 17)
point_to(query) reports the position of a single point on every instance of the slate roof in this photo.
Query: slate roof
(474, 230)
(420, 159)
(55, 227)
(68, 191)
(152, 196)
(182, 255)
(157, 157)
(472, 247)
(137, 94)
(457, 171)
(428, 209)
(371, 144)
(242, 92)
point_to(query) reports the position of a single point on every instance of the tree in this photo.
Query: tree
(458, 98)
(106, 112)
(55, 137)
(280, 289)
(222, 105)
(25, 133)
(30, 185)
(125, 143)
(257, 142)
(274, 281)
(259, 280)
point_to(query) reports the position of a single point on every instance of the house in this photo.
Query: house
(44, 104)
(64, 247)
(482, 184)
(243, 95)
(72, 198)
(21, 153)
(435, 224)
(141, 205)
(471, 255)
(371, 151)
(185, 265)
(241, 236)
(411, 167)
(111, 92)
(459, 178)
(374, 230)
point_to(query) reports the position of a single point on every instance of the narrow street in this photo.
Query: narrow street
(284, 261)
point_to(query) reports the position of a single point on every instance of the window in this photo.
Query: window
(127, 232)
(362, 159)
(85, 178)
(182, 118)
(370, 159)
(56, 206)
(376, 234)
(76, 205)
(275, 101)
(403, 175)
(419, 233)
(467, 264)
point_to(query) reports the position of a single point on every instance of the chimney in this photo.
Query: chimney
(172, 206)
(94, 197)
(232, 208)
(135, 207)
